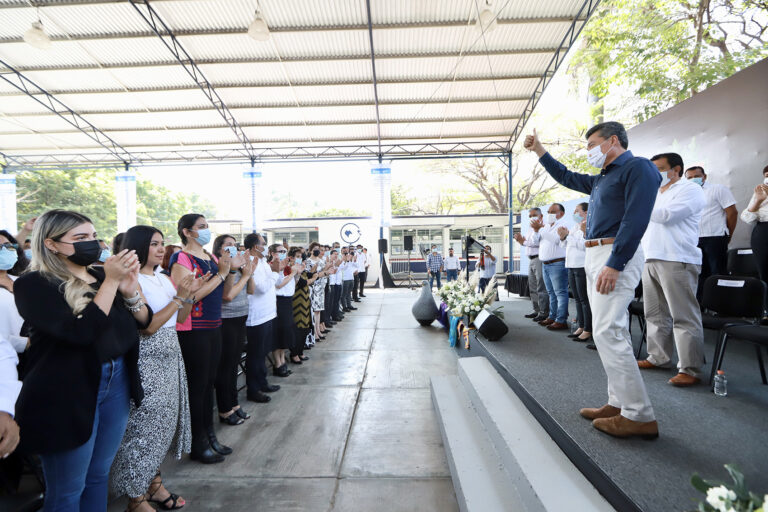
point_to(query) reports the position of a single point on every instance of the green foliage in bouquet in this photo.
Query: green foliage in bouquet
(733, 497)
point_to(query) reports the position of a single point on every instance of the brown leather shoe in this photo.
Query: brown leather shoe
(683, 380)
(619, 426)
(647, 365)
(557, 326)
(546, 322)
(606, 411)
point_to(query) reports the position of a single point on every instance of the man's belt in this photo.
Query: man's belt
(598, 242)
(552, 261)
(533, 257)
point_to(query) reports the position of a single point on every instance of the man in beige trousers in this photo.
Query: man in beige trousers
(671, 274)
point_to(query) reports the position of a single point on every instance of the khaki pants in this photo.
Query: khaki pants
(537, 289)
(673, 315)
(610, 330)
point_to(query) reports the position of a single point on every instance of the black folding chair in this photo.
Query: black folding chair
(730, 301)
(241, 367)
(741, 262)
(637, 308)
(755, 334)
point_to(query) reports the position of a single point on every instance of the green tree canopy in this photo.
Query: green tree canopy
(92, 193)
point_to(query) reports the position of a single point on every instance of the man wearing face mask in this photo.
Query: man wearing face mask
(620, 205)
(671, 274)
(536, 288)
(718, 220)
(554, 273)
(434, 266)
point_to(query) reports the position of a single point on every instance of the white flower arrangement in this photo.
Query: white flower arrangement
(729, 498)
(461, 299)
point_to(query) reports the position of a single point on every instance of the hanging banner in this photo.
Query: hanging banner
(253, 220)
(382, 184)
(8, 219)
(125, 192)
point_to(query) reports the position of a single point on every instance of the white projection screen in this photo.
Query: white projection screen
(724, 129)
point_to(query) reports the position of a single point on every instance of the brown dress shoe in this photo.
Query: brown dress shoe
(619, 426)
(646, 365)
(683, 380)
(605, 411)
(546, 322)
(557, 326)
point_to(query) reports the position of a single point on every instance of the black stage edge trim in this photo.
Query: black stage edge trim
(596, 476)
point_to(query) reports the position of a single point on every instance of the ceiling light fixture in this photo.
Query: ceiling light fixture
(37, 37)
(487, 18)
(258, 28)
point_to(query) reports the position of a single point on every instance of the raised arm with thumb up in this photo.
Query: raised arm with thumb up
(532, 143)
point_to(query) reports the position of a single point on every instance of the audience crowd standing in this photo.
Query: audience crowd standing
(129, 347)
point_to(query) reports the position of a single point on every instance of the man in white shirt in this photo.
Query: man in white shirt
(555, 275)
(671, 273)
(487, 265)
(334, 281)
(536, 288)
(262, 311)
(364, 273)
(361, 274)
(718, 220)
(9, 392)
(348, 270)
(452, 266)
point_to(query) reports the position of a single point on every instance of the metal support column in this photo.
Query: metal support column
(511, 214)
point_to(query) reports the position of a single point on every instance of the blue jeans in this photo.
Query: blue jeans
(77, 479)
(556, 280)
(432, 277)
(451, 275)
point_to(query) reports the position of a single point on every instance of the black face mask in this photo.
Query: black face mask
(86, 253)
(316, 253)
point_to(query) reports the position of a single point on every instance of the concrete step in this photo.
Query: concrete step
(542, 475)
(479, 479)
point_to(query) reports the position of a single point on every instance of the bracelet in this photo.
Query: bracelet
(185, 301)
(233, 271)
(222, 277)
(178, 304)
(135, 308)
(133, 300)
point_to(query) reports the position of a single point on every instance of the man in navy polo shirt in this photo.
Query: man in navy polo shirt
(621, 200)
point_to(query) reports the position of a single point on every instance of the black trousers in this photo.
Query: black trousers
(232, 346)
(299, 338)
(362, 277)
(577, 279)
(760, 251)
(336, 302)
(355, 286)
(325, 315)
(260, 343)
(285, 326)
(346, 293)
(714, 259)
(201, 350)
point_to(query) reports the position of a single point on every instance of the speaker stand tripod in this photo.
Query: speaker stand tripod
(411, 283)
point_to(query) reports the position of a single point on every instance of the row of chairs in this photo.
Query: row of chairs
(732, 304)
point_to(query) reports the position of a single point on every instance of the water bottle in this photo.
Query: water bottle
(721, 384)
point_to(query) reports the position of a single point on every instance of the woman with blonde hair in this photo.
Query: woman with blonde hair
(81, 369)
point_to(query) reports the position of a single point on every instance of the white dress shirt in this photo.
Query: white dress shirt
(531, 244)
(348, 271)
(718, 197)
(10, 320)
(575, 249)
(549, 241)
(452, 263)
(360, 262)
(288, 289)
(761, 215)
(262, 303)
(673, 232)
(490, 267)
(9, 378)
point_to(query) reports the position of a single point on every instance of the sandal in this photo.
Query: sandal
(133, 504)
(173, 498)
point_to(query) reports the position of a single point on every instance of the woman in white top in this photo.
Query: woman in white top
(575, 251)
(12, 263)
(757, 214)
(163, 416)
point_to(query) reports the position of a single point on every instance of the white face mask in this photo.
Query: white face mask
(596, 157)
(765, 181)
(551, 218)
(664, 179)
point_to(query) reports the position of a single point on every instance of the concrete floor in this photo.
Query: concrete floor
(353, 429)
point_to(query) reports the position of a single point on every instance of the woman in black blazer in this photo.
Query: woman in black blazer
(81, 368)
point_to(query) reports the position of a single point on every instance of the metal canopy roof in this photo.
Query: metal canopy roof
(180, 80)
